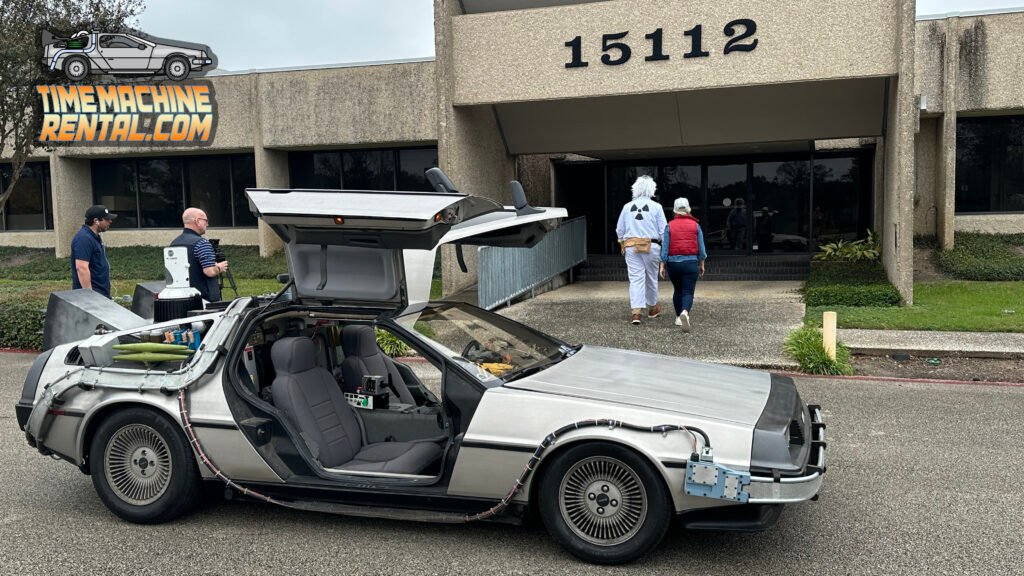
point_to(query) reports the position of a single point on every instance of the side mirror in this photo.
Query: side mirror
(283, 278)
(440, 182)
(519, 200)
(142, 46)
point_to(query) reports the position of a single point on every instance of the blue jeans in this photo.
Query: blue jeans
(684, 280)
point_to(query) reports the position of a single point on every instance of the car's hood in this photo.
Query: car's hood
(653, 381)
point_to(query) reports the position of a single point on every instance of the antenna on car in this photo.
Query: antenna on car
(519, 200)
(439, 180)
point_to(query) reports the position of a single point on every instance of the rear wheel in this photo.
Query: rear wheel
(604, 503)
(76, 68)
(142, 467)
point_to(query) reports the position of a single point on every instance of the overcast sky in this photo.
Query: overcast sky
(261, 34)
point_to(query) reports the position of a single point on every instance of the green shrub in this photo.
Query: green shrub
(132, 263)
(21, 325)
(984, 257)
(863, 250)
(805, 346)
(853, 295)
(849, 284)
(391, 344)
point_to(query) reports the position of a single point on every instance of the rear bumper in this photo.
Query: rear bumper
(785, 490)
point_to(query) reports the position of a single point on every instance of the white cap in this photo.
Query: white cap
(681, 206)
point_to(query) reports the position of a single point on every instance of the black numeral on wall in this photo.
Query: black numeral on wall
(577, 53)
(749, 27)
(656, 49)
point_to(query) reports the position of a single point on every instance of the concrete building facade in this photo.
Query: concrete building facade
(826, 119)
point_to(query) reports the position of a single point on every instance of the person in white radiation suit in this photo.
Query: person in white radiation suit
(640, 227)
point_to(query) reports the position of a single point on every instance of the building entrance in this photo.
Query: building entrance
(749, 205)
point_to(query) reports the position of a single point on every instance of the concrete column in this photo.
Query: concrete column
(71, 187)
(271, 172)
(945, 181)
(471, 150)
(898, 218)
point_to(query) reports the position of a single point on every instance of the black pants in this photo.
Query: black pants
(684, 281)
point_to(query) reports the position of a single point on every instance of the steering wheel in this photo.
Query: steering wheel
(472, 349)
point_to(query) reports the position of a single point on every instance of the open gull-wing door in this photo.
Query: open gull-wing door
(376, 249)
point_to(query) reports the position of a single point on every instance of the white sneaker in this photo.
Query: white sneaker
(684, 321)
(679, 320)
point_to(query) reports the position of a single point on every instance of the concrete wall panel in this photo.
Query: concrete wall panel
(991, 223)
(360, 105)
(521, 56)
(926, 208)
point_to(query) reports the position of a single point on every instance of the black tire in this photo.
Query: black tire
(569, 502)
(76, 68)
(177, 68)
(161, 488)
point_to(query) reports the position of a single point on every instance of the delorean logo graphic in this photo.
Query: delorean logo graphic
(169, 111)
(132, 54)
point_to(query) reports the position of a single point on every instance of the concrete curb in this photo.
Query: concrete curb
(906, 380)
(935, 352)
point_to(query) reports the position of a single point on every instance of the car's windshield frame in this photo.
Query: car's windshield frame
(558, 348)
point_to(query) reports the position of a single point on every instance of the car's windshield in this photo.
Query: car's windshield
(498, 346)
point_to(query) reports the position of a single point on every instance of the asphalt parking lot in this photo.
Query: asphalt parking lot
(923, 478)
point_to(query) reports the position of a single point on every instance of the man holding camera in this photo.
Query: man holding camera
(203, 267)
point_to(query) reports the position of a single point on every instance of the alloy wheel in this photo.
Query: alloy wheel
(603, 501)
(137, 464)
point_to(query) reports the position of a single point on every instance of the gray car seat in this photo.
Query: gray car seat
(309, 396)
(364, 358)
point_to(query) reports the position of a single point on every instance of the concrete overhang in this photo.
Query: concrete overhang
(478, 6)
(721, 118)
(522, 55)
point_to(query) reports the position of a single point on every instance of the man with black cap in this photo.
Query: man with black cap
(89, 266)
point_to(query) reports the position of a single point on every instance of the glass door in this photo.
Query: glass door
(727, 217)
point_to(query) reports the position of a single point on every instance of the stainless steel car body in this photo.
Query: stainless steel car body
(510, 420)
(119, 53)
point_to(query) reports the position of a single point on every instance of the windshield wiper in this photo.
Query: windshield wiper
(530, 370)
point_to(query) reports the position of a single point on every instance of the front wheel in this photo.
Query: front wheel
(177, 68)
(604, 503)
(142, 467)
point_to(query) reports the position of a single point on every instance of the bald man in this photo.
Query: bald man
(203, 268)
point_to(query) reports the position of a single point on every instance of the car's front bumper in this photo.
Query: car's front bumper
(786, 490)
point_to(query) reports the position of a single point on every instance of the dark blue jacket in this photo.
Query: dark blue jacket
(208, 287)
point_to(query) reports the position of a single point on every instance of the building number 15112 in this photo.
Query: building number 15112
(615, 51)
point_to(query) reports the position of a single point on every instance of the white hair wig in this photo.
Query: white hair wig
(644, 186)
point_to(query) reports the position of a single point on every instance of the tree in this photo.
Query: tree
(22, 23)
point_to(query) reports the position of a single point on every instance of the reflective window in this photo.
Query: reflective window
(412, 166)
(368, 170)
(161, 192)
(727, 219)
(681, 182)
(209, 185)
(161, 188)
(316, 170)
(841, 198)
(990, 164)
(28, 207)
(114, 186)
(243, 175)
(780, 206)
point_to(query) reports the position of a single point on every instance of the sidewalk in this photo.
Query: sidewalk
(739, 323)
(929, 343)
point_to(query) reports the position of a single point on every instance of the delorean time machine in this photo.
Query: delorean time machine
(292, 402)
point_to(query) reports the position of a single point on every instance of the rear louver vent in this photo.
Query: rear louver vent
(74, 357)
(796, 435)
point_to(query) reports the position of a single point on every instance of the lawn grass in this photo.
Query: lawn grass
(950, 306)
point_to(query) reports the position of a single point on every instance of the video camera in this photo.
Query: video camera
(218, 256)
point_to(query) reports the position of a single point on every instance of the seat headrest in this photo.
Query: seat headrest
(359, 341)
(293, 355)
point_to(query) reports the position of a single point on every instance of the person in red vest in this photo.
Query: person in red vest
(682, 258)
